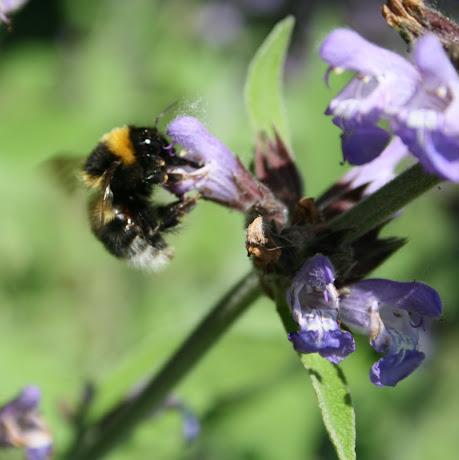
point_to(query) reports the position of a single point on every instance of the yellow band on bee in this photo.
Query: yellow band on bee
(119, 143)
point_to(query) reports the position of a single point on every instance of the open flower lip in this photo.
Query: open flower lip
(321, 334)
(389, 312)
(384, 80)
(393, 368)
(319, 331)
(221, 176)
(419, 101)
(428, 122)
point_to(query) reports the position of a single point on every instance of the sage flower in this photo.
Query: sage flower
(389, 312)
(22, 426)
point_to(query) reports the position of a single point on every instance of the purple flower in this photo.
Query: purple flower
(220, 177)
(314, 302)
(191, 426)
(391, 313)
(22, 426)
(379, 171)
(9, 6)
(383, 84)
(420, 102)
(216, 178)
(427, 124)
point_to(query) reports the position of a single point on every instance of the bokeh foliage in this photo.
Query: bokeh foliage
(69, 312)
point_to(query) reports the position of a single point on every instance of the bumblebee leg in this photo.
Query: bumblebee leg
(172, 214)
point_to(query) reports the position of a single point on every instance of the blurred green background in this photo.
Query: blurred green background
(71, 313)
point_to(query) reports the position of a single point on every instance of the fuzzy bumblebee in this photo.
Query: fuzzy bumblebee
(124, 168)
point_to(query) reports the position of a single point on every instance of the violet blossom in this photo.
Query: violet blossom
(418, 101)
(390, 313)
(191, 427)
(314, 302)
(383, 84)
(427, 123)
(22, 426)
(379, 171)
(9, 6)
(220, 177)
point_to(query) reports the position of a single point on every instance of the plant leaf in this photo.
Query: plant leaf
(263, 88)
(335, 403)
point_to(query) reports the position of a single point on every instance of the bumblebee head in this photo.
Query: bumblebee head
(147, 141)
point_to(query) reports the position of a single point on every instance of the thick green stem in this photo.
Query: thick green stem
(97, 442)
(384, 203)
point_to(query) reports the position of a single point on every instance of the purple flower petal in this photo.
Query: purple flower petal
(28, 400)
(401, 360)
(413, 297)
(363, 145)
(378, 172)
(190, 425)
(39, 453)
(427, 124)
(22, 426)
(320, 333)
(436, 151)
(221, 177)
(346, 49)
(391, 314)
(432, 60)
(216, 179)
(314, 303)
(421, 103)
(385, 80)
(9, 6)
(316, 275)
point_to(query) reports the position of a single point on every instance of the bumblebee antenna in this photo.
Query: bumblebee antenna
(164, 113)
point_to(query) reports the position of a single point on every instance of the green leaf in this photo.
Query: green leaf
(335, 403)
(263, 88)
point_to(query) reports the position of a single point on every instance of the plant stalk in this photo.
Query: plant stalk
(97, 442)
(384, 203)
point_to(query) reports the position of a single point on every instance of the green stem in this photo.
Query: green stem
(384, 203)
(279, 287)
(97, 442)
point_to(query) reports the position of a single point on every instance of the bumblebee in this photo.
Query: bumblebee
(124, 168)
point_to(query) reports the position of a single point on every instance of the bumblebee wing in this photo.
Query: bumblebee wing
(64, 169)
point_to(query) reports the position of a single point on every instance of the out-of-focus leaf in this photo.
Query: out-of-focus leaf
(263, 89)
